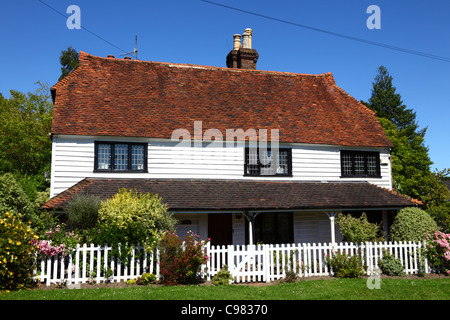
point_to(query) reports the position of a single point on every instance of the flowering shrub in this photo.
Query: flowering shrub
(16, 252)
(57, 241)
(345, 266)
(437, 249)
(180, 262)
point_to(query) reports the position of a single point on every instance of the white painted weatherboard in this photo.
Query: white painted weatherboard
(73, 160)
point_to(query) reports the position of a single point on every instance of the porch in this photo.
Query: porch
(272, 227)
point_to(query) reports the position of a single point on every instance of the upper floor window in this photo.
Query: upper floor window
(262, 163)
(360, 164)
(120, 157)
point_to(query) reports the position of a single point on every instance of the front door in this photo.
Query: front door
(220, 228)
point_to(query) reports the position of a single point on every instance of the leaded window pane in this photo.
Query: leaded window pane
(137, 157)
(121, 157)
(104, 156)
(261, 162)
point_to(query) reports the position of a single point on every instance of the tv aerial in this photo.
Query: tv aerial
(132, 52)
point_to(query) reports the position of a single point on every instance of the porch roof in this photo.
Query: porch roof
(226, 195)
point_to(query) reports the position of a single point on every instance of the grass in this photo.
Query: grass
(331, 289)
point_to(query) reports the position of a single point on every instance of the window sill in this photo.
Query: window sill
(120, 171)
(266, 176)
(361, 177)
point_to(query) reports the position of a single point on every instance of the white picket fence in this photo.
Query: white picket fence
(247, 263)
(255, 263)
(94, 264)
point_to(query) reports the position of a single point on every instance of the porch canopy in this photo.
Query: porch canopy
(244, 195)
(250, 197)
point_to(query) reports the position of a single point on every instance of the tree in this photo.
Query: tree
(388, 104)
(410, 162)
(25, 146)
(69, 60)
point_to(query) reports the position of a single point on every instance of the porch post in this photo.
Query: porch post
(332, 215)
(251, 218)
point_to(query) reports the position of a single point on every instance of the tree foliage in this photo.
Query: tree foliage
(388, 104)
(25, 146)
(411, 163)
(69, 60)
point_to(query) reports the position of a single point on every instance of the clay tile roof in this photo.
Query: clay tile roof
(190, 194)
(118, 97)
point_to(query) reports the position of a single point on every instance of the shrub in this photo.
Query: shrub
(345, 266)
(390, 265)
(145, 279)
(16, 252)
(437, 250)
(40, 198)
(82, 211)
(13, 198)
(291, 276)
(180, 262)
(412, 224)
(129, 207)
(223, 277)
(357, 230)
(121, 240)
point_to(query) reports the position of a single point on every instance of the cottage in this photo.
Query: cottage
(301, 148)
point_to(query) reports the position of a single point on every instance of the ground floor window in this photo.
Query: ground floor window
(272, 228)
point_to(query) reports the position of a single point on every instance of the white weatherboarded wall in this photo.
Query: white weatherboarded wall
(73, 160)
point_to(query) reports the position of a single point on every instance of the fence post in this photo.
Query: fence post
(367, 252)
(266, 262)
(48, 271)
(208, 261)
(99, 261)
(230, 259)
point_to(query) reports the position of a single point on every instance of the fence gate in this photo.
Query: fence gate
(246, 263)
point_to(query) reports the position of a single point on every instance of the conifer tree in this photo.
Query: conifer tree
(388, 104)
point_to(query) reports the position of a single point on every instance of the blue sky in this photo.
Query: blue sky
(193, 31)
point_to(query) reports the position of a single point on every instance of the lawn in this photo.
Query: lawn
(330, 289)
(262, 301)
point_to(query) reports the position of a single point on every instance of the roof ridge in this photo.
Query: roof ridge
(84, 56)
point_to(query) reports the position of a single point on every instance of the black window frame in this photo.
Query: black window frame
(129, 154)
(365, 154)
(289, 163)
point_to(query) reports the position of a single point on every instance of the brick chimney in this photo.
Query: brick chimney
(243, 56)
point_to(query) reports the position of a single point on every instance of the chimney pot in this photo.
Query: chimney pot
(110, 56)
(127, 58)
(246, 41)
(250, 33)
(236, 41)
(242, 56)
